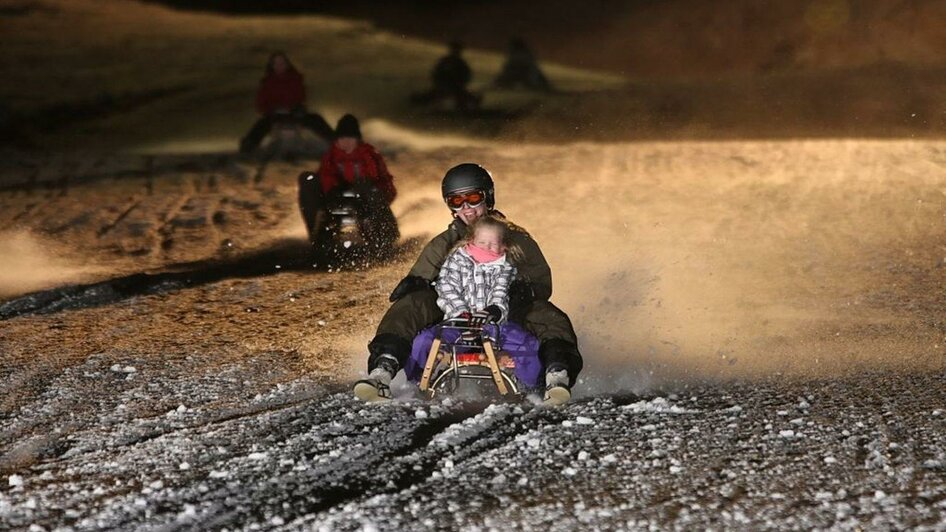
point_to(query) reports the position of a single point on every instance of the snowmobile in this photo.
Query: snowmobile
(455, 359)
(354, 223)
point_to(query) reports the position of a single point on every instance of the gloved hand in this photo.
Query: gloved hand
(491, 314)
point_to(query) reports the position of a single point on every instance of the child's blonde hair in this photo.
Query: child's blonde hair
(502, 226)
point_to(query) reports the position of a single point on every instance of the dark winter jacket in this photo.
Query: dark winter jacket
(362, 164)
(451, 73)
(280, 92)
(531, 268)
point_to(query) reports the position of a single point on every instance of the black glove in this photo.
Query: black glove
(411, 283)
(491, 314)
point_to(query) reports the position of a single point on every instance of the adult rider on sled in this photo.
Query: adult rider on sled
(469, 193)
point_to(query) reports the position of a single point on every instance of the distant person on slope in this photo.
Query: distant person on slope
(349, 162)
(281, 97)
(521, 69)
(450, 78)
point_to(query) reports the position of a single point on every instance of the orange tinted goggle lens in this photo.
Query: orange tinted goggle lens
(474, 198)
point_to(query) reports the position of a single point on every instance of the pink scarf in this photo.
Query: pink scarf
(482, 256)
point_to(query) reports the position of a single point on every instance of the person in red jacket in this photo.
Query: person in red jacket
(349, 162)
(352, 161)
(281, 96)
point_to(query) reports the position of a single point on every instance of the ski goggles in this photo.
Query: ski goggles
(473, 198)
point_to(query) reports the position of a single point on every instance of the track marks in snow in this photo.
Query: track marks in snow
(291, 453)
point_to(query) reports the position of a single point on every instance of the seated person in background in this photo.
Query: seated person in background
(349, 161)
(450, 77)
(281, 97)
(521, 68)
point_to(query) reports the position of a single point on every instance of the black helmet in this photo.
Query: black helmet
(468, 176)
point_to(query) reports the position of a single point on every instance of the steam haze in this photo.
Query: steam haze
(30, 263)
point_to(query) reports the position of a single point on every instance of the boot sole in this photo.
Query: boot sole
(557, 396)
(367, 392)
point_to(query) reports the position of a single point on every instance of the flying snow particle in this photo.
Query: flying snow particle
(581, 420)
(15, 480)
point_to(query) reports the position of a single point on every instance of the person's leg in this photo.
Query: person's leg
(256, 134)
(379, 224)
(311, 204)
(425, 97)
(390, 350)
(465, 100)
(317, 124)
(403, 320)
(558, 343)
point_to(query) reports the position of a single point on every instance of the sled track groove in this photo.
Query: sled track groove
(416, 462)
(108, 227)
(382, 469)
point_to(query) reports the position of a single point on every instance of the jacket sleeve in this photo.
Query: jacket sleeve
(263, 103)
(533, 267)
(299, 91)
(385, 180)
(328, 175)
(499, 292)
(434, 254)
(449, 288)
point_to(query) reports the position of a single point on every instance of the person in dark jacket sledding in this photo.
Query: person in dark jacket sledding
(521, 69)
(468, 191)
(348, 162)
(281, 97)
(450, 78)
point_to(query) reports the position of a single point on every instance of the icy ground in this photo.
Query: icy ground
(168, 450)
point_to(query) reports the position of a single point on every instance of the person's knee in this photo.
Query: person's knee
(547, 321)
(411, 313)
